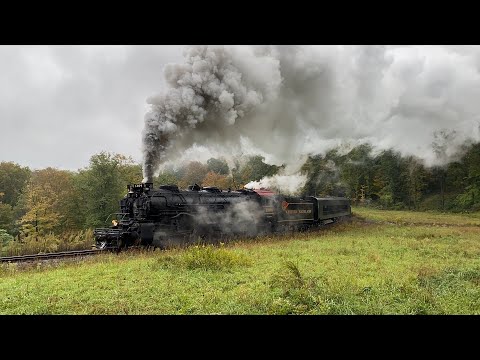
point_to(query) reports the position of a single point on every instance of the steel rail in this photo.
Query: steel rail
(45, 256)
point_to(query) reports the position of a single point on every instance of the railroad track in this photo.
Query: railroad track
(46, 256)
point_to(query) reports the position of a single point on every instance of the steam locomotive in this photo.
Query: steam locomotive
(168, 216)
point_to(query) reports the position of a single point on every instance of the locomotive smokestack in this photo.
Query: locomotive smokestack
(206, 95)
(147, 174)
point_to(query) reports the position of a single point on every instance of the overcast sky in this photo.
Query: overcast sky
(59, 105)
(62, 104)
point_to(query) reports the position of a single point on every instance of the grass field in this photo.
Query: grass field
(380, 262)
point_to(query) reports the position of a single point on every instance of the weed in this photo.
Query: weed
(204, 257)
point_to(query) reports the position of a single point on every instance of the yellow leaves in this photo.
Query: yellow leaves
(45, 199)
(220, 181)
(194, 173)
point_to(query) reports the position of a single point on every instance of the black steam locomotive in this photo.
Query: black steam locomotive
(167, 216)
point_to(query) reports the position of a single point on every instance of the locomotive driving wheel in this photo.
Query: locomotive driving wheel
(120, 244)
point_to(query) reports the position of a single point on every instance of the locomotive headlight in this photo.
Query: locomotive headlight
(114, 222)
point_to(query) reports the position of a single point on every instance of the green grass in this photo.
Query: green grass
(419, 217)
(390, 263)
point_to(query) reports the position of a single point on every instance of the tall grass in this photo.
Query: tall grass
(50, 243)
(203, 257)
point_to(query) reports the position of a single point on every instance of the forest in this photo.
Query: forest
(52, 209)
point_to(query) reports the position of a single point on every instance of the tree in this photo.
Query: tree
(5, 238)
(169, 175)
(470, 196)
(6, 217)
(457, 172)
(48, 203)
(254, 169)
(439, 173)
(19, 210)
(218, 166)
(41, 217)
(129, 171)
(13, 179)
(194, 174)
(102, 188)
(415, 180)
(323, 176)
(440, 146)
(312, 168)
(387, 171)
(217, 180)
(357, 171)
(236, 176)
(165, 178)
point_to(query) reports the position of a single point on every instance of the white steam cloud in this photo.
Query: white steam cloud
(288, 101)
(286, 184)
